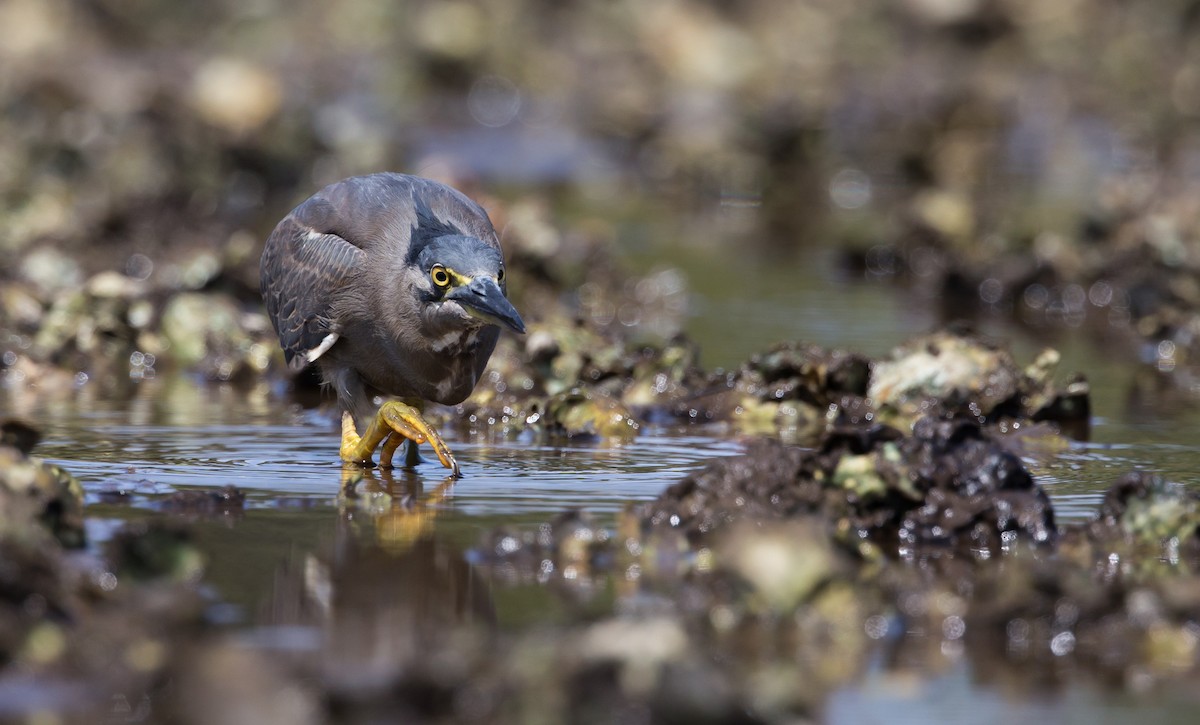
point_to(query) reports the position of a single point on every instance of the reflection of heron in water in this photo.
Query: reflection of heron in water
(390, 591)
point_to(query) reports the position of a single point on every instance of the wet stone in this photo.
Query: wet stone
(604, 390)
(571, 545)
(948, 486)
(588, 414)
(1145, 514)
(756, 486)
(205, 503)
(958, 372)
(155, 549)
(19, 435)
(36, 494)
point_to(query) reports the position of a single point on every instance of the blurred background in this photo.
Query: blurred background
(1029, 159)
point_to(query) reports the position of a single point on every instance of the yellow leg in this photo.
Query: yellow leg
(392, 425)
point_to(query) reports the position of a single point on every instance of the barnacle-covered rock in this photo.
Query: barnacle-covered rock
(588, 414)
(155, 549)
(785, 391)
(946, 486)
(566, 380)
(34, 493)
(958, 372)
(962, 374)
(757, 486)
(1143, 516)
(98, 322)
(211, 333)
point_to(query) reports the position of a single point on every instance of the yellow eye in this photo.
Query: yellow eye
(500, 275)
(440, 276)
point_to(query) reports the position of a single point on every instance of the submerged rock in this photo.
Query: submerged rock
(571, 545)
(206, 503)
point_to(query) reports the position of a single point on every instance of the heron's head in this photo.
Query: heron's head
(461, 279)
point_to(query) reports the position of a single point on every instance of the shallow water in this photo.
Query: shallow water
(175, 432)
(130, 447)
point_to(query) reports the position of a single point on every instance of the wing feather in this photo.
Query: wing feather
(302, 271)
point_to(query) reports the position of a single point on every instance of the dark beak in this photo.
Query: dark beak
(484, 299)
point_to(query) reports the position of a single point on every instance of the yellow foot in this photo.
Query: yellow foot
(395, 423)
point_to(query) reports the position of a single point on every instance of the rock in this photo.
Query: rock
(34, 493)
(1145, 515)
(581, 413)
(948, 486)
(234, 95)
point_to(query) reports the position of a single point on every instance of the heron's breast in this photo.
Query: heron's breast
(456, 343)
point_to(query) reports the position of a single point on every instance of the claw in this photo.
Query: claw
(393, 424)
(353, 449)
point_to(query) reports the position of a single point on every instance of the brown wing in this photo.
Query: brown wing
(302, 270)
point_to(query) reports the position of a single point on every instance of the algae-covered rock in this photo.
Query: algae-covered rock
(1145, 515)
(946, 485)
(963, 374)
(153, 549)
(569, 381)
(34, 493)
(583, 413)
(211, 333)
(93, 323)
(783, 563)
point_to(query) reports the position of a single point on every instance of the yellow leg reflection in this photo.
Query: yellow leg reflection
(399, 510)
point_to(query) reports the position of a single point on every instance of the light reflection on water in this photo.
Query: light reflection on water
(270, 450)
(295, 455)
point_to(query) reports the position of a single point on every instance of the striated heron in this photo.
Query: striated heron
(392, 285)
